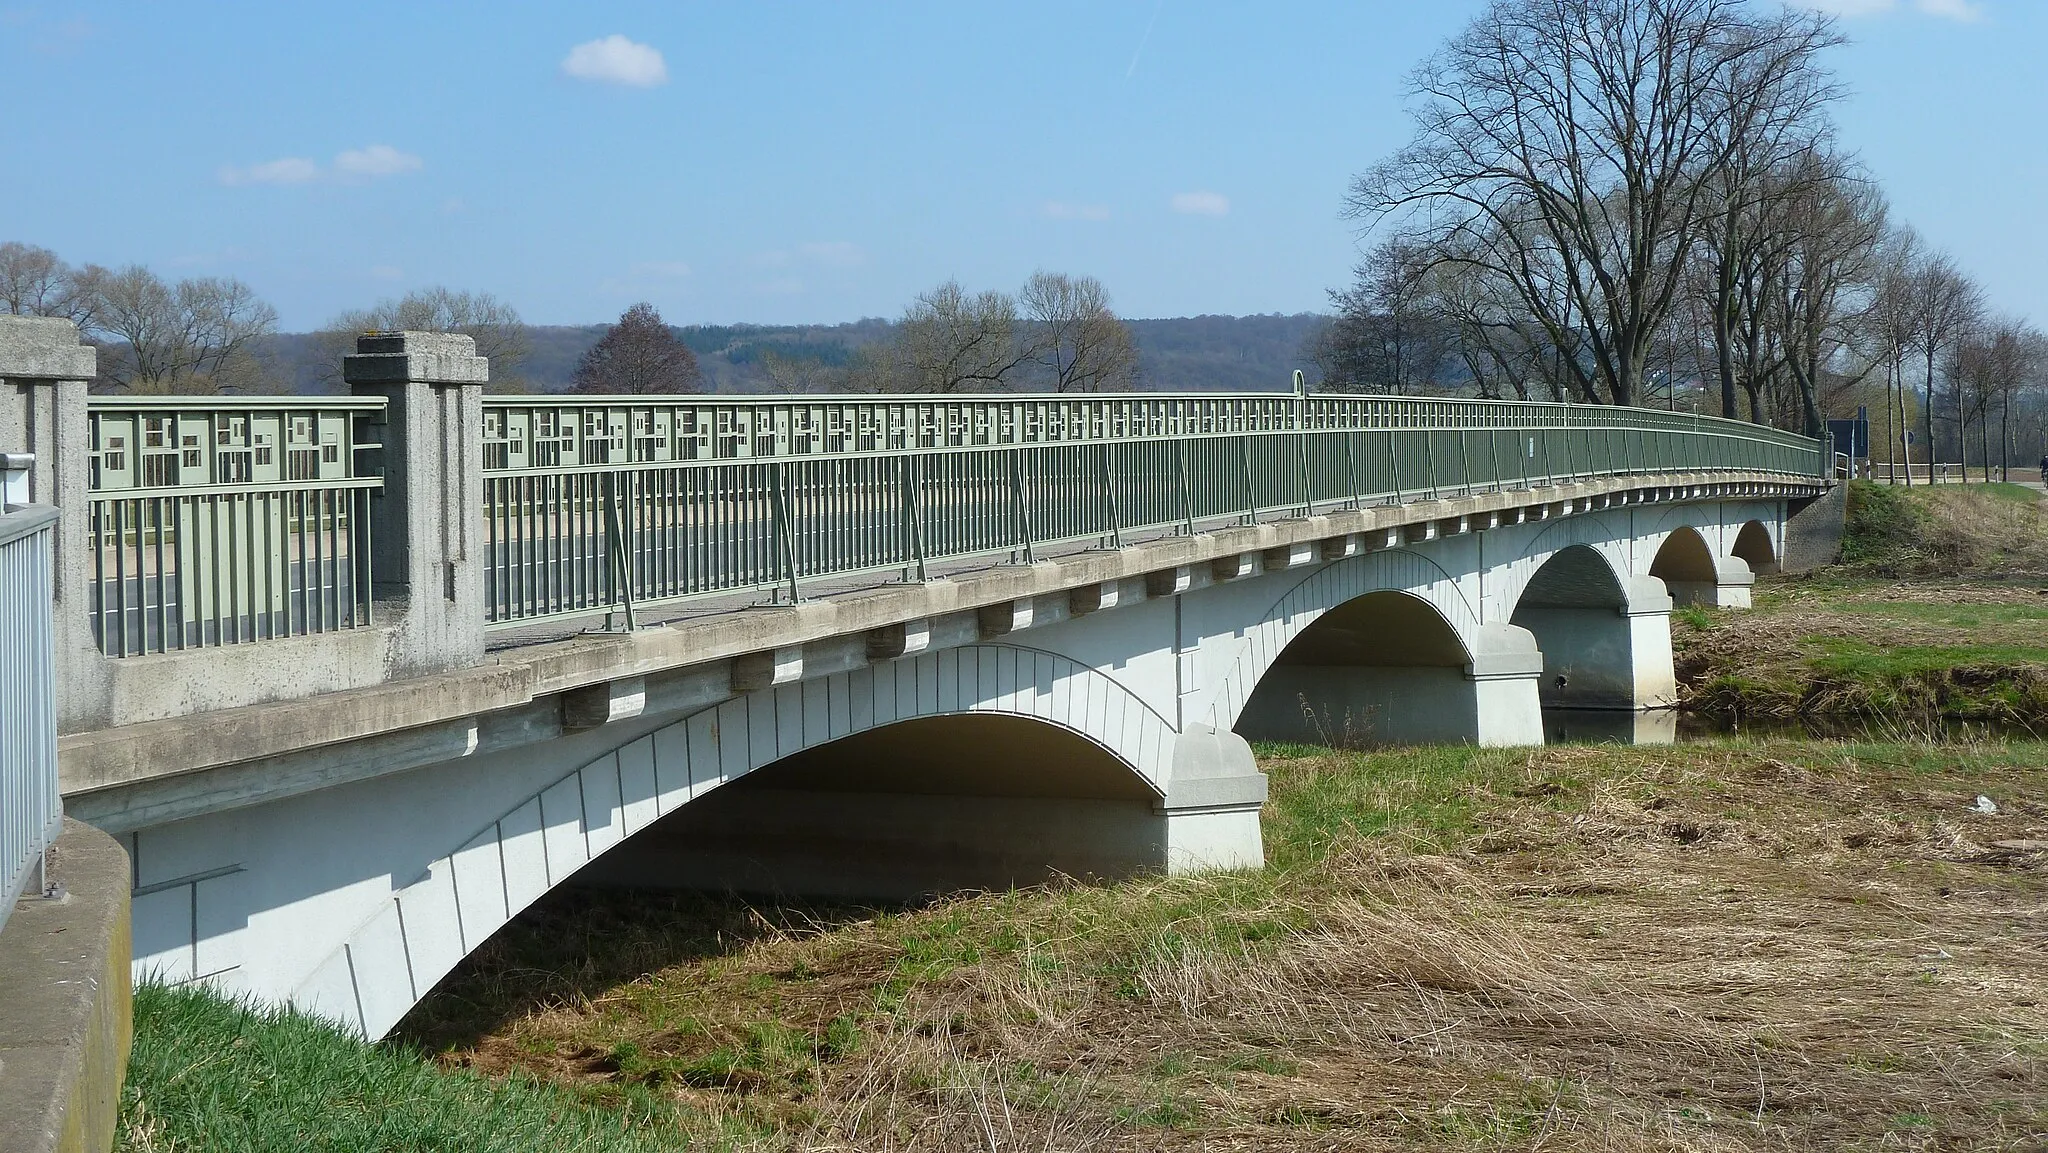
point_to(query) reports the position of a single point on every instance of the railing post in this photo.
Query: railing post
(1020, 509)
(1116, 532)
(43, 373)
(1187, 495)
(785, 533)
(426, 526)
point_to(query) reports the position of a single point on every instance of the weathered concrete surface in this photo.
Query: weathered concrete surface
(65, 1002)
(1814, 530)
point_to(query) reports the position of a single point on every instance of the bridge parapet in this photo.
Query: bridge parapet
(240, 550)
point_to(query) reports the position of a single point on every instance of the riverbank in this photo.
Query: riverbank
(1937, 614)
(1727, 945)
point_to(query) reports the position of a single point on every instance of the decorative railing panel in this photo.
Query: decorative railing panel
(599, 504)
(31, 811)
(217, 521)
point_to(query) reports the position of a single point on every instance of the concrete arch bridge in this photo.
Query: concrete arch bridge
(356, 680)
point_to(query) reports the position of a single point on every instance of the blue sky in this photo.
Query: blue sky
(787, 162)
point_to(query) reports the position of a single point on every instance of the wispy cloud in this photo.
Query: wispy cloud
(616, 60)
(387, 272)
(1143, 40)
(1065, 210)
(356, 164)
(1201, 203)
(374, 161)
(289, 170)
(1963, 11)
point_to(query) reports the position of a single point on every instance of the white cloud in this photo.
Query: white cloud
(1064, 210)
(1965, 11)
(663, 268)
(1201, 203)
(290, 170)
(616, 60)
(374, 161)
(377, 160)
(387, 272)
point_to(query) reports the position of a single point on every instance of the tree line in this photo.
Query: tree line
(205, 335)
(1644, 202)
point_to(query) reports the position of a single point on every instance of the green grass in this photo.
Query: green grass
(210, 1074)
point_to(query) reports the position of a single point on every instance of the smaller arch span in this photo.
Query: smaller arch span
(1754, 546)
(1694, 575)
(1387, 667)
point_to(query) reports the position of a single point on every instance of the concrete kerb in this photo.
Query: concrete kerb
(65, 1001)
(116, 757)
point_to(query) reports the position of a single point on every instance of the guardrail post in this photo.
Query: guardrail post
(426, 525)
(43, 373)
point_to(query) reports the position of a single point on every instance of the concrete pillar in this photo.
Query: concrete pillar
(1729, 589)
(427, 524)
(1212, 804)
(44, 368)
(1649, 646)
(1490, 701)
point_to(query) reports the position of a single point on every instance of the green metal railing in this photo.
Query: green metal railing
(217, 521)
(600, 504)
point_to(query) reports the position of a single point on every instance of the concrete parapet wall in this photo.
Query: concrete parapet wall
(65, 1003)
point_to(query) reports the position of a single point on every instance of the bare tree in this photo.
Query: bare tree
(1392, 332)
(194, 336)
(34, 282)
(638, 356)
(1561, 143)
(950, 341)
(1820, 267)
(494, 324)
(792, 375)
(1895, 328)
(1949, 306)
(1072, 335)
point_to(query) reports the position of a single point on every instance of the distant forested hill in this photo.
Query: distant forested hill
(1183, 354)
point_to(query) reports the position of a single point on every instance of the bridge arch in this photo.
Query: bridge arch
(1386, 648)
(1604, 634)
(1754, 546)
(1694, 574)
(395, 956)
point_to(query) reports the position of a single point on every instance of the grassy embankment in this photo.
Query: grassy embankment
(1728, 946)
(1937, 613)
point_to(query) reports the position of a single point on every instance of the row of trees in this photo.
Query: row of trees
(1057, 334)
(1643, 201)
(206, 334)
(195, 335)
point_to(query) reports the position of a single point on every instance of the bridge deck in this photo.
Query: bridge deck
(700, 650)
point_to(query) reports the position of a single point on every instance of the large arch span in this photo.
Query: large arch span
(397, 954)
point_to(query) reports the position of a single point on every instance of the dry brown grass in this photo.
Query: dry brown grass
(1736, 947)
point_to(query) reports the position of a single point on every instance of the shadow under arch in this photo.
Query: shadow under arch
(1389, 668)
(1686, 563)
(906, 811)
(1753, 545)
(1578, 609)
